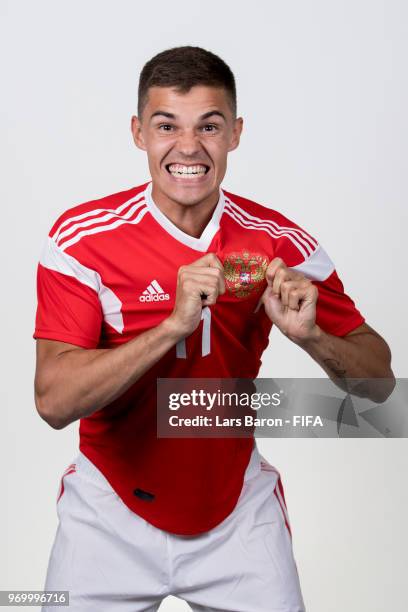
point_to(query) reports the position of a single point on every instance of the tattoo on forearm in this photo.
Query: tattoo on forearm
(339, 373)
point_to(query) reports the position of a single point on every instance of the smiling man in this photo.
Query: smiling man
(178, 278)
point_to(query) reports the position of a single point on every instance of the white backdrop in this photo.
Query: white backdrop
(322, 86)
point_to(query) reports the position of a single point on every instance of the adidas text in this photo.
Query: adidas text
(158, 297)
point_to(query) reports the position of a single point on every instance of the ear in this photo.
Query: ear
(236, 133)
(136, 127)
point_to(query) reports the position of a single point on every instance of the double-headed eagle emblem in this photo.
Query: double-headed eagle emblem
(244, 273)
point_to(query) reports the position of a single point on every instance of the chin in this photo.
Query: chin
(189, 195)
(194, 201)
(189, 199)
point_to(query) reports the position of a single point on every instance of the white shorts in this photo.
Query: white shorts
(112, 560)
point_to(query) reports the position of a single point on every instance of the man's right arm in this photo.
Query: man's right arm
(72, 382)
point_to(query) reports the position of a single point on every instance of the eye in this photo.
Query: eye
(165, 127)
(210, 127)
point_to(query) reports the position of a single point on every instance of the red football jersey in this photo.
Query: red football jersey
(108, 273)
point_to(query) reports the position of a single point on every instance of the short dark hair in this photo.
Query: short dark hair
(182, 68)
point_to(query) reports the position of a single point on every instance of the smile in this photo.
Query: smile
(187, 172)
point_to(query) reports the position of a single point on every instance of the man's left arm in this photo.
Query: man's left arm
(361, 354)
(290, 302)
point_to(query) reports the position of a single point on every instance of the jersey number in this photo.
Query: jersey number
(181, 350)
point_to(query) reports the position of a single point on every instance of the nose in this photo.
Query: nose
(188, 143)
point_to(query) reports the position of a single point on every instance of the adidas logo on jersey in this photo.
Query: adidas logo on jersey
(154, 293)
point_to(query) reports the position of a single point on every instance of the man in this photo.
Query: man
(179, 278)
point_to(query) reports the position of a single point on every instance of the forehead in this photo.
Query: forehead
(197, 101)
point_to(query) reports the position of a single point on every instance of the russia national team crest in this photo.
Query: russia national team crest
(244, 273)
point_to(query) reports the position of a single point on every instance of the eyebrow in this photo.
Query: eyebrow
(172, 116)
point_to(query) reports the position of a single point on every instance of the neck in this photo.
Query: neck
(191, 219)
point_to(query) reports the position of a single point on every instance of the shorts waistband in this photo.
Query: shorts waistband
(89, 469)
(254, 464)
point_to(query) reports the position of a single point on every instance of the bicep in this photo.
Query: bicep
(47, 352)
(46, 349)
(367, 336)
(363, 329)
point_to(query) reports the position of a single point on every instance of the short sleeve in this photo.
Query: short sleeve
(336, 312)
(68, 305)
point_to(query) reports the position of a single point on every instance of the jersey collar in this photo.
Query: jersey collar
(199, 244)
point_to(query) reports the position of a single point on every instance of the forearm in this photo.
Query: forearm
(82, 381)
(359, 364)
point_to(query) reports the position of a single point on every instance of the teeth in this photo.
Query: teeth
(188, 172)
(187, 175)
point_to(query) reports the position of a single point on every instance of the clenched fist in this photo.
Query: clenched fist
(290, 301)
(198, 284)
